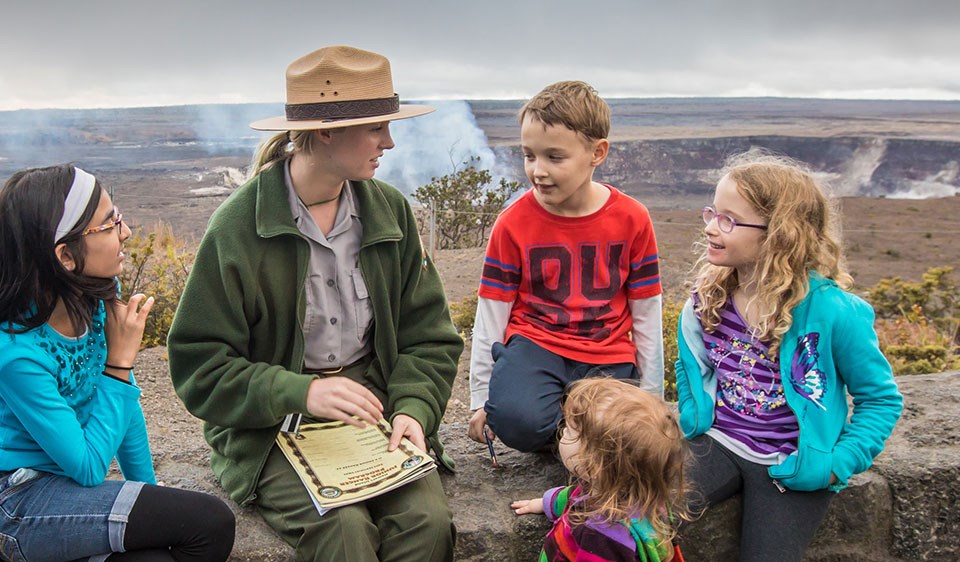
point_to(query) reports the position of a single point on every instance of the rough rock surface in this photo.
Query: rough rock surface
(902, 509)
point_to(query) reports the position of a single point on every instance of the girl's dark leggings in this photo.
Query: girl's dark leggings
(169, 524)
(775, 525)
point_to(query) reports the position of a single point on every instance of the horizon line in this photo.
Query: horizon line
(503, 99)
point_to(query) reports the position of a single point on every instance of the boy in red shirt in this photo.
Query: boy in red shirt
(570, 286)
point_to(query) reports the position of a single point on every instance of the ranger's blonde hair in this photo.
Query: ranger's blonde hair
(278, 148)
(803, 235)
(631, 457)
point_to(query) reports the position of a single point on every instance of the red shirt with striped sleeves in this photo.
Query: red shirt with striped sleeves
(570, 277)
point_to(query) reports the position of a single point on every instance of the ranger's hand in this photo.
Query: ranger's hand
(405, 426)
(339, 398)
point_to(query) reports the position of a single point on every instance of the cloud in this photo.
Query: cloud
(107, 52)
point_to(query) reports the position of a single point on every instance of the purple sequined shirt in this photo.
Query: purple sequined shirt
(751, 408)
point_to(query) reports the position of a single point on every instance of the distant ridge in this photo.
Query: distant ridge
(902, 148)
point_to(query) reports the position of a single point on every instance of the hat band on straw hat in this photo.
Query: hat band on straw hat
(342, 109)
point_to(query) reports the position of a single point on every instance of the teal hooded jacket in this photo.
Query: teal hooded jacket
(830, 350)
(236, 345)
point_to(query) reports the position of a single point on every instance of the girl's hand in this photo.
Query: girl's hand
(339, 398)
(523, 507)
(405, 426)
(124, 328)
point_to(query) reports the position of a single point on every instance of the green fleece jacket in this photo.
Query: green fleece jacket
(236, 345)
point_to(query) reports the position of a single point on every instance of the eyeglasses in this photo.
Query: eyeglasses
(113, 223)
(725, 223)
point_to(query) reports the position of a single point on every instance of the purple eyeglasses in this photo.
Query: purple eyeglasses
(725, 223)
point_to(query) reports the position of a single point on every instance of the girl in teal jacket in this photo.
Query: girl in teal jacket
(770, 344)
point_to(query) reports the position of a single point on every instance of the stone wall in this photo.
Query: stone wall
(904, 508)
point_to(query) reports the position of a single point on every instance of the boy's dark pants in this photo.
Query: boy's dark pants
(527, 387)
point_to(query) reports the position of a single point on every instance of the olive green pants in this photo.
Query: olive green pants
(412, 523)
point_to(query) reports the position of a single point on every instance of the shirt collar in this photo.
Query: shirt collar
(346, 211)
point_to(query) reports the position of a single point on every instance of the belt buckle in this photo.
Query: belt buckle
(330, 371)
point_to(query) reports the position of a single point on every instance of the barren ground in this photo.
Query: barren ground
(884, 238)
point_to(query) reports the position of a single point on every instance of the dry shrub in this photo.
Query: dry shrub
(914, 345)
(158, 263)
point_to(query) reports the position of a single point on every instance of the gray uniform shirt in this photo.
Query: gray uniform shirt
(336, 329)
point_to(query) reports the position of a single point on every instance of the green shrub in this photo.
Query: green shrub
(918, 360)
(465, 204)
(937, 295)
(158, 263)
(463, 314)
(671, 316)
(918, 323)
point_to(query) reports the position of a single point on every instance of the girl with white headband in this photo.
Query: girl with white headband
(69, 403)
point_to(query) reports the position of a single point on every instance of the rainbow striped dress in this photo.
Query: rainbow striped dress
(598, 541)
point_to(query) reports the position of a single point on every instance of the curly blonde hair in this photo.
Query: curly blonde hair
(803, 235)
(631, 457)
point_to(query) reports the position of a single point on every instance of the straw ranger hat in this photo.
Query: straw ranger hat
(338, 87)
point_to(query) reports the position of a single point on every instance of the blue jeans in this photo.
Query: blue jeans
(48, 517)
(527, 387)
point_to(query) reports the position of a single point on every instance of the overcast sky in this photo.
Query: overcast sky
(98, 53)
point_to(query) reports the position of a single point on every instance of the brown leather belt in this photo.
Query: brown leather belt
(336, 370)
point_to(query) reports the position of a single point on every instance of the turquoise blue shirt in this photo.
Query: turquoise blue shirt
(60, 414)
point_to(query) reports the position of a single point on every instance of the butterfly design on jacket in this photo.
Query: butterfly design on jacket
(806, 378)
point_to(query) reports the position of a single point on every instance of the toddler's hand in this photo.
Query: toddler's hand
(523, 507)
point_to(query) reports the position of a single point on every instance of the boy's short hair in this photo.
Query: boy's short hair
(573, 104)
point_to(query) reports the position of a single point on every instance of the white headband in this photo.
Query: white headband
(77, 199)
